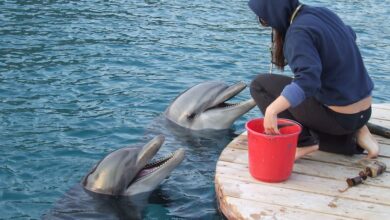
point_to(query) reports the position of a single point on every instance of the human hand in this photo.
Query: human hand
(270, 122)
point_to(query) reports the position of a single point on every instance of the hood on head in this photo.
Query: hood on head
(276, 13)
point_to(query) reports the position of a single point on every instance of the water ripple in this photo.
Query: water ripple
(79, 79)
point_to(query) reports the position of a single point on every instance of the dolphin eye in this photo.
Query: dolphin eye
(191, 116)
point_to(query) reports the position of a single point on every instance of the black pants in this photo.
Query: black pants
(333, 131)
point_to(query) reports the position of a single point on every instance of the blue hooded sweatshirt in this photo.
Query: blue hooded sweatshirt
(320, 50)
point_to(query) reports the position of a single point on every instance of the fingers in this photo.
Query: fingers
(271, 127)
(270, 123)
(272, 130)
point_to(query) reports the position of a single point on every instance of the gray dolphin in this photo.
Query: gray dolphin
(118, 187)
(130, 171)
(204, 106)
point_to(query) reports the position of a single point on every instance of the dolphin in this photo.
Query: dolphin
(118, 187)
(130, 171)
(204, 106)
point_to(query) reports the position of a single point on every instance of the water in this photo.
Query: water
(79, 79)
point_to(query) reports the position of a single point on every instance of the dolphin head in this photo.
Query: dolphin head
(204, 106)
(119, 170)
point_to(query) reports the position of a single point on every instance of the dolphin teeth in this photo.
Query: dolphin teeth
(159, 160)
(153, 166)
(224, 105)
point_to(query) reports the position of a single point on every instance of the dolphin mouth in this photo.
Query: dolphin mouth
(222, 100)
(223, 105)
(156, 164)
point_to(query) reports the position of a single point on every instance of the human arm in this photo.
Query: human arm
(270, 118)
(304, 60)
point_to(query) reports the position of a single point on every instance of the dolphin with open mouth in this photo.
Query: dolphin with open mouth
(205, 106)
(130, 171)
(118, 187)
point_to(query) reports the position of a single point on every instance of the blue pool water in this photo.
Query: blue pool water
(79, 79)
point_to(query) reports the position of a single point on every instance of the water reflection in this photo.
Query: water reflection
(79, 203)
(192, 183)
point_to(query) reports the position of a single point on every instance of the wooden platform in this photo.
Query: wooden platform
(312, 190)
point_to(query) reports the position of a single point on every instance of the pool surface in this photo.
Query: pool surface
(79, 79)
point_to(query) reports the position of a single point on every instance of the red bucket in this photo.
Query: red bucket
(271, 157)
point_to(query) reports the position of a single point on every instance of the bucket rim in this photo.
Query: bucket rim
(272, 135)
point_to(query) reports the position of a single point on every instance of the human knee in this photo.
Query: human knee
(257, 84)
(269, 83)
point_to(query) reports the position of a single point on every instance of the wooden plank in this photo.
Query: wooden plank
(312, 168)
(302, 200)
(382, 140)
(384, 150)
(381, 106)
(240, 142)
(352, 161)
(315, 168)
(260, 210)
(311, 184)
(381, 113)
(381, 122)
